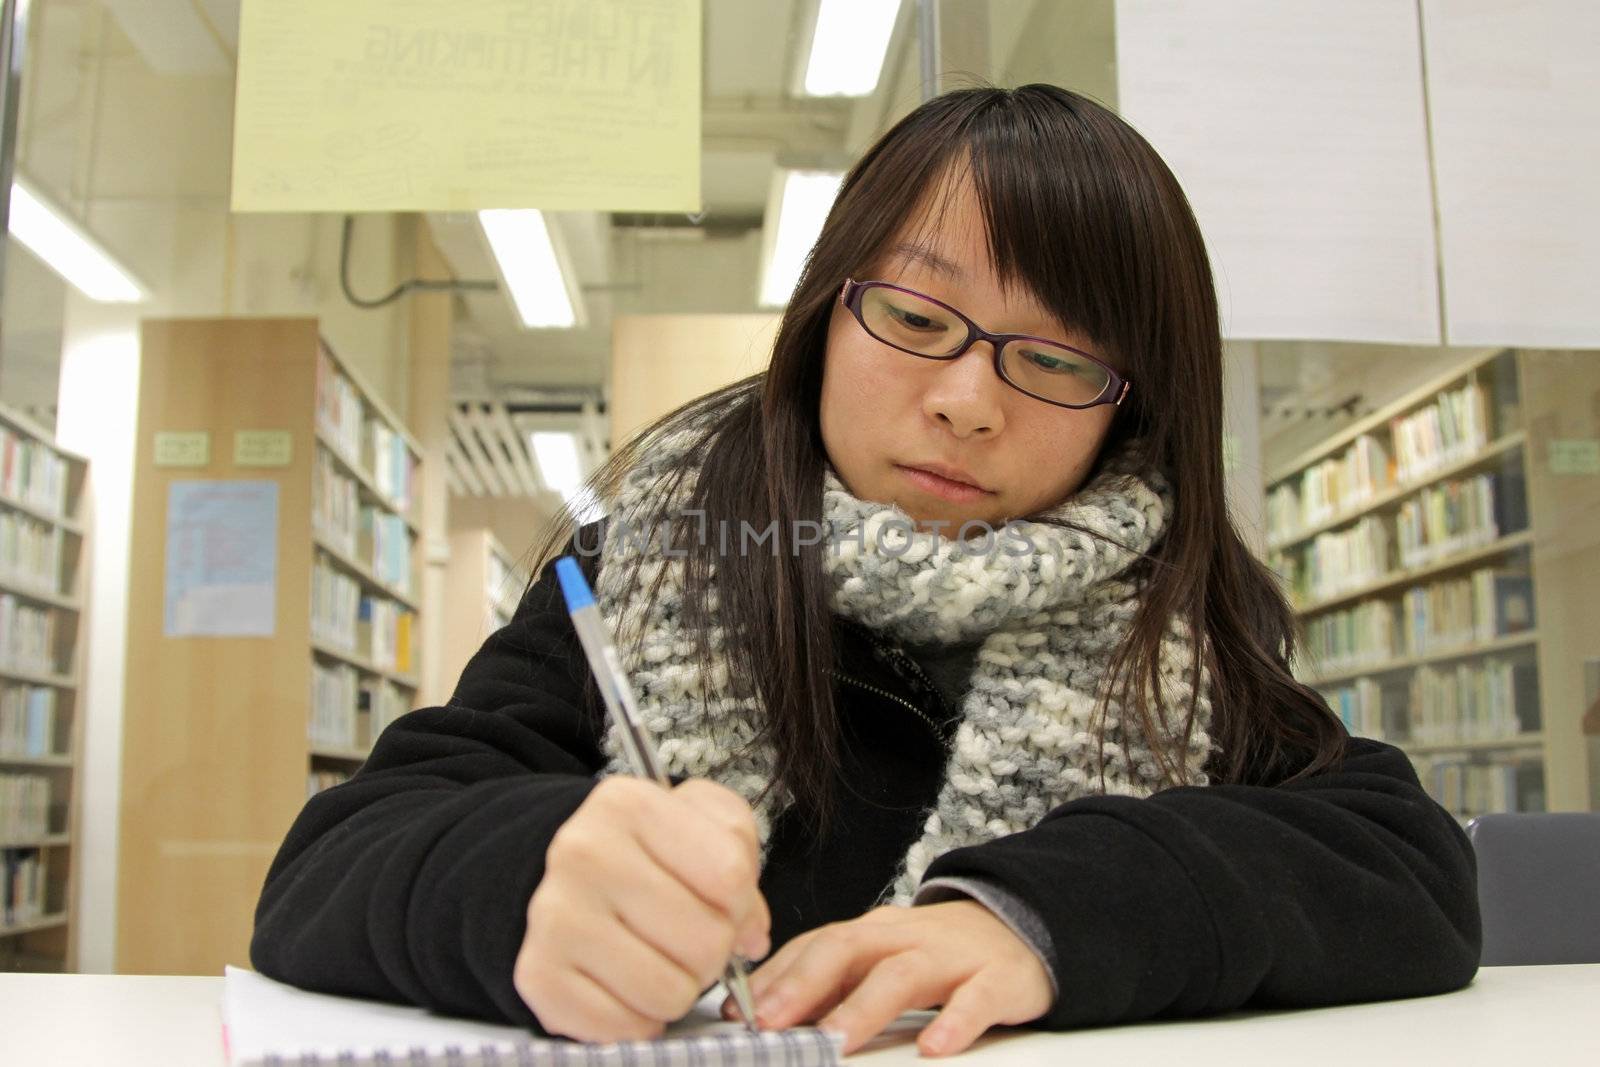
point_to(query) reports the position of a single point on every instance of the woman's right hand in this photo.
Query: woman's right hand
(646, 894)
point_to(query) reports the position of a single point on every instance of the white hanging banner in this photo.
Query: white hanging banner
(1514, 91)
(1297, 129)
(415, 105)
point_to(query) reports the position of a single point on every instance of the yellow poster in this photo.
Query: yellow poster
(428, 105)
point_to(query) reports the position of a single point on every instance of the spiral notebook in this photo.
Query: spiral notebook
(269, 1024)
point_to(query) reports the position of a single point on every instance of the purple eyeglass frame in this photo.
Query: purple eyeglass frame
(1116, 389)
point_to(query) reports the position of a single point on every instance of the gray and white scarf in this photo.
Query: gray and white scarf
(1050, 605)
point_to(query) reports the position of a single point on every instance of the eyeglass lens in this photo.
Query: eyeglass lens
(1046, 370)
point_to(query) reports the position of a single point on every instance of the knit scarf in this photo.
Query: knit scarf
(1050, 605)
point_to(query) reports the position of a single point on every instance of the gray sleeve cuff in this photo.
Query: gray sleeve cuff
(1006, 906)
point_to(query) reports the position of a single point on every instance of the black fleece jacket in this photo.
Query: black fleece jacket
(410, 881)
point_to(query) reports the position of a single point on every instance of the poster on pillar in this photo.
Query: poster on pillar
(400, 105)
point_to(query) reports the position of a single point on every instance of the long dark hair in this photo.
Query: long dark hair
(1081, 211)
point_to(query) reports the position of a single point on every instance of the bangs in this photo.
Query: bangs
(1063, 218)
(1072, 204)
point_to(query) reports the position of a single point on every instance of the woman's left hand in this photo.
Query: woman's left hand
(856, 977)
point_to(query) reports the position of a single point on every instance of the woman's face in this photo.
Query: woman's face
(886, 414)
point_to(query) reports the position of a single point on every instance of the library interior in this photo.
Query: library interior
(287, 398)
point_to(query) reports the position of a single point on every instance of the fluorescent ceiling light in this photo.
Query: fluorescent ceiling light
(559, 466)
(66, 248)
(848, 47)
(529, 267)
(803, 203)
(556, 452)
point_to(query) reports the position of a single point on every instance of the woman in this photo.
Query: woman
(976, 697)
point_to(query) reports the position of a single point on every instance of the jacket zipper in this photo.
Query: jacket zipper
(918, 671)
(918, 712)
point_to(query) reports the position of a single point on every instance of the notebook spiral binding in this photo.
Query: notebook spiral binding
(804, 1048)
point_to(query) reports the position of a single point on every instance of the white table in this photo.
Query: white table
(1520, 1016)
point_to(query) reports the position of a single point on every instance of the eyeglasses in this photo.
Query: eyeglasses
(922, 326)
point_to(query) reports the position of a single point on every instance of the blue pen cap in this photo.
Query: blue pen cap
(573, 584)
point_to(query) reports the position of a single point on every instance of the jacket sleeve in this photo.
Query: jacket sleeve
(1344, 886)
(410, 882)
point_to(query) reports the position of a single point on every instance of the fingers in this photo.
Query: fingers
(702, 835)
(906, 981)
(857, 977)
(967, 1015)
(813, 973)
(765, 979)
(635, 973)
(754, 939)
(707, 840)
(647, 924)
(658, 910)
(564, 936)
(714, 850)
(569, 1003)
(722, 804)
(968, 1012)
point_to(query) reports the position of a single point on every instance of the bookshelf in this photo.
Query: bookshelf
(1414, 545)
(226, 732)
(43, 585)
(483, 585)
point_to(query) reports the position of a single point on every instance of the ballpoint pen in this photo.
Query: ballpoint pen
(624, 708)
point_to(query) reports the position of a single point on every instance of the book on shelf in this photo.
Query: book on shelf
(1457, 613)
(335, 604)
(333, 705)
(1445, 519)
(389, 460)
(382, 703)
(25, 806)
(1359, 706)
(386, 542)
(349, 709)
(27, 636)
(1492, 699)
(30, 552)
(38, 632)
(340, 414)
(28, 721)
(1365, 635)
(22, 897)
(32, 473)
(1451, 429)
(317, 781)
(383, 633)
(1337, 561)
(374, 631)
(335, 503)
(405, 626)
(1467, 788)
(503, 587)
(1441, 616)
(1331, 487)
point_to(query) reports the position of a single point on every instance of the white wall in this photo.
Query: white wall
(99, 378)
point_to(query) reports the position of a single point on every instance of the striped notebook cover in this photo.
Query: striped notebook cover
(269, 1024)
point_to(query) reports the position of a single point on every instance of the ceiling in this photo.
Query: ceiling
(624, 264)
(664, 263)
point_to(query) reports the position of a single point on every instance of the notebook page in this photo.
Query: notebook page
(269, 1022)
